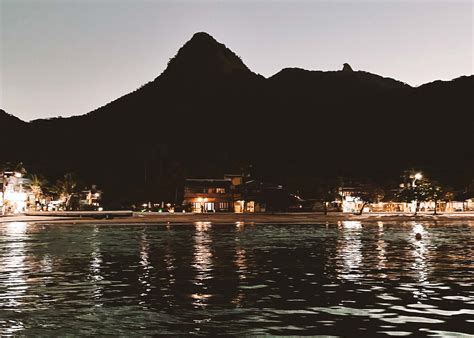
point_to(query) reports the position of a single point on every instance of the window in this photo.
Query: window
(197, 207)
(209, 206)
(220, 190)
(223, 205)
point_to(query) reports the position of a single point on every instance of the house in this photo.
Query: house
(87, 200)
(15, 193)
(236, 193)
(208, 195)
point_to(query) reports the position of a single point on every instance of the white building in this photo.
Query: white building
(15, 193)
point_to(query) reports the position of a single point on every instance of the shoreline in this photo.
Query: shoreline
(289, 218)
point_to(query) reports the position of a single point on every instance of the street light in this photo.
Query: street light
(417, 176)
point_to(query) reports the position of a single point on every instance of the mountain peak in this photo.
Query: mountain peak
(347, 68)
(203, 36)
(202, 55)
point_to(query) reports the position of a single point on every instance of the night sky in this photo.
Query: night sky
(70, 57)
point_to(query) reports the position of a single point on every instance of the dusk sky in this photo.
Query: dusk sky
(70, 57)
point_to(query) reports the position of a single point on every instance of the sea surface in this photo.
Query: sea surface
(345, 279)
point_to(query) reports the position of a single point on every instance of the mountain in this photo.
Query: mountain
(9, 121)
(208, 114)
(11, 128)
(203, 56)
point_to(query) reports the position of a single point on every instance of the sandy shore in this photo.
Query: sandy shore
(303, 218)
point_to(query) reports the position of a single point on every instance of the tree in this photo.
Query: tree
(420, 189)
(407, 194)
(65, 188)
(326, 191)
(430, 191)
(370, 194)
(38, 184)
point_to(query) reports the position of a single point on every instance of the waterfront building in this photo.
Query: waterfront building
(237, 193)
(352, 200)
(86, 200)
(15, 193)
(208, 195)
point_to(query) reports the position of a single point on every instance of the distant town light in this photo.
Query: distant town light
(418, 176)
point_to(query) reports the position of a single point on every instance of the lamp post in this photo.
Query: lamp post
(417, 176)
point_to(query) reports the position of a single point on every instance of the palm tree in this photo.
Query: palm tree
(65, 188)
(38, 183)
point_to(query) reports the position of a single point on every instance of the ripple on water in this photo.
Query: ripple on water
(333, 279)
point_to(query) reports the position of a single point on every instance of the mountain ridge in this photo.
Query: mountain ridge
(207, 114)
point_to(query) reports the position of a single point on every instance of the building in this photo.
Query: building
(208, 195)
(352, 199)
(86, 200)
(15, 193)
(236, 193)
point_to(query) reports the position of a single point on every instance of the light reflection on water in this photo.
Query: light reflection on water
(13, 271)
(202, 263)
(350, 250)
(331, 279)
(95, 267)
(381, 247)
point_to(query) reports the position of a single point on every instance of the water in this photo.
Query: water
(336, 279)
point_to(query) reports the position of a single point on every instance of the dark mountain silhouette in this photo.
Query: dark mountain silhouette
(208, 114)
(203, 56)
(347, 68)
(12, 130)
(9, 120)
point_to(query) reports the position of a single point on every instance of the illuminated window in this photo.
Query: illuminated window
(223, 205)
(220, 190)
(197, 207)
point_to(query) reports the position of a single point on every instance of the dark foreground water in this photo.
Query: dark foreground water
(337, 279)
